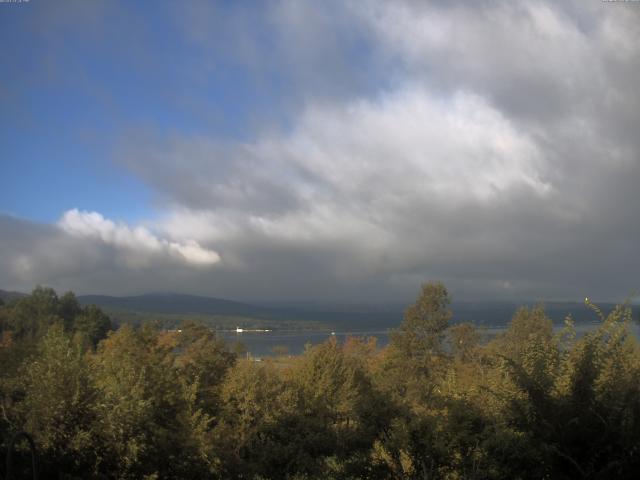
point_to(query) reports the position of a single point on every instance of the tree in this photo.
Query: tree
(263, 432)
(464, 339)
(421, 333)
(57, 408)
(92, 322)
(140, 398)
(30, 317)
(203, 359)
(68, 309)
(347, 411)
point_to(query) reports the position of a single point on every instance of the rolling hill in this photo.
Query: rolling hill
(173, 303)
(7, 296)
(363, 317)
(170, 309)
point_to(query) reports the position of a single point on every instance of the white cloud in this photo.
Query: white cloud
(485, 160)
(353, 171)
(490, 144)
(138, 240)
(414, 141)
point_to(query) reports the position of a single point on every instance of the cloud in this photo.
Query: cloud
(491, 144)
(374, 195)
(407, 143)
(89, 254)
(139, 240)
(535, 60)
(498, 159)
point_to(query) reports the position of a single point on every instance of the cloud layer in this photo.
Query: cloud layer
(494, 147)
(140, 244)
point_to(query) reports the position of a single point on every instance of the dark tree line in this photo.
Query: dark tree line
(437, 403)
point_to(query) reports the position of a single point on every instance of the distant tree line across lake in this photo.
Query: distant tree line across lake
(435, 403)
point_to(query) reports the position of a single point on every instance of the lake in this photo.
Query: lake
(261, 344)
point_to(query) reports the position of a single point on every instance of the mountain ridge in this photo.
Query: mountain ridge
(339, 315)
(487, 313)
(8, 295)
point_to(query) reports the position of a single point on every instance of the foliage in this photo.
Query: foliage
(436, 403)
(425, 323)
(29, 318)
(58, 402)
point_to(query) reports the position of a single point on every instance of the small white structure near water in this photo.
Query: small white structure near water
(240, 330)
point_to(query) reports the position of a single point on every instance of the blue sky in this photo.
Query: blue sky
(311, 150)
(78, 78)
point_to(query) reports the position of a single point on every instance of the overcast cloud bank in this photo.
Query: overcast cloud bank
(499, 154)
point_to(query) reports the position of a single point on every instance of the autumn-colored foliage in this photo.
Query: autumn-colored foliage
(438, 402)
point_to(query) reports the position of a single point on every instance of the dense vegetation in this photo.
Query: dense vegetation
(436, 403)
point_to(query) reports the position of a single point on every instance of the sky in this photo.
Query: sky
(326, 151)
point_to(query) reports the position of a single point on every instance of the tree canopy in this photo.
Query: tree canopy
(441, 401)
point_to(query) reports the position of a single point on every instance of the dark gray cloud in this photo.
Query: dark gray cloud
(499, 153)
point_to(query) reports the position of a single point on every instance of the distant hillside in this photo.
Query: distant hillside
(173, 303)
(170, 307)
(7, 296)
(500, 313)
(173, 307)
(489, 313)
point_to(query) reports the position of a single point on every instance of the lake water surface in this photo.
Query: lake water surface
(262, 344)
